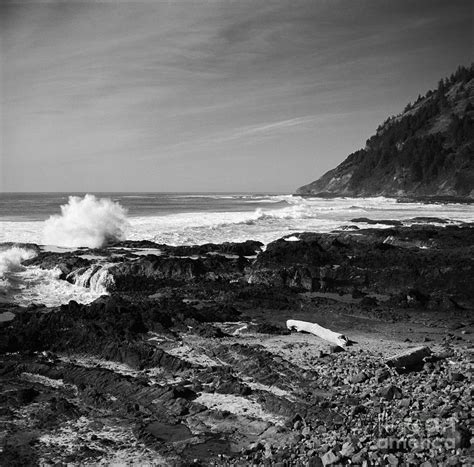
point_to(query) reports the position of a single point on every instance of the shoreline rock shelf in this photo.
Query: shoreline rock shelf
(189, 356)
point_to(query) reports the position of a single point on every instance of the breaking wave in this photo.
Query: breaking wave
(86, 222)
(294, 212)
(178, 219)
(36, 285)
(24, 285)
(96, 278)
(11, 259)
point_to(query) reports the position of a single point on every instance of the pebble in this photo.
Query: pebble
(390, 392)
(330, 458)
(347, 449)
(314, 461)
(359, 378)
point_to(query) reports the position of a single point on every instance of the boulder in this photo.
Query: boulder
(410, 358)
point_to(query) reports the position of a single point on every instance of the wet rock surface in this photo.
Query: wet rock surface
(187, 361)
(424, 258)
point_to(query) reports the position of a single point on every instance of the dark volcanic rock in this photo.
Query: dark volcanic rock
(267, 328)
(110, 327)
(27, 395)
(390, 392)
(149, 371)
(151, 272)
(365, 220)
(166, 432)
(247, 248)
(368, 261)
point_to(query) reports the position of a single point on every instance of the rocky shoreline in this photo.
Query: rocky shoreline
(187, 360)
(435, 199)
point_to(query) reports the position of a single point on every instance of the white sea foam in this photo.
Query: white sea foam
(88, 222)
(10, 263)
(36, 285)
(296, 214)
(266, 225)
(30, 284)
(96, 278)
(11, 259)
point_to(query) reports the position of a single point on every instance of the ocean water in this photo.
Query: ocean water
(190, 218)
(56, 220)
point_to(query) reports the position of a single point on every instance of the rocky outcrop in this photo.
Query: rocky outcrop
(426, 151)
(187, 360)
(65, 262)
(151, 272)
(110, 328)
(127, 267)
(382, 261)
(424, 259)
(247, 248)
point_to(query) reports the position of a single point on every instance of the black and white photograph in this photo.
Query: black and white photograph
(236, 233)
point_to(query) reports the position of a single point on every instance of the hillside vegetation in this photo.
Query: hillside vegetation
(425, 151)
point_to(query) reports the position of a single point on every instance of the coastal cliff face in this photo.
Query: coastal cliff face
(426, 151)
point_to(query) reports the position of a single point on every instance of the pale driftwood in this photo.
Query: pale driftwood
(409, 358)
(317, 330)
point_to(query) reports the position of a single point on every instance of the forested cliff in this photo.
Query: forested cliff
(427, 150)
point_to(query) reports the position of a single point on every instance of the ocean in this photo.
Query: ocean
(196, 218)
(55, 220)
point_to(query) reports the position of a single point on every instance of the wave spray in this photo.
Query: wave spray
(86, 222)
(11, 259)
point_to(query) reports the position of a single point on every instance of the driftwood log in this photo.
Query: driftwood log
(317, 330)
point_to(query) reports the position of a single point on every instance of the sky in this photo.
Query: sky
(208, 95)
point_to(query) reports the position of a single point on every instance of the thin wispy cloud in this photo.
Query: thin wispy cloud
(248, 135)
(268, 129)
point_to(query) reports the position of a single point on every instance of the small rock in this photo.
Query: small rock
(445, 411)
(359, 457)
(358, 409)
(347, 449)
(338, 420)
(329, 458)
(453, 377)
(453, 460)
(382, 374)
(314, 461)
(359, 378)
(428, 367)
(392, 460)
(390, 392)
(448, 353)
